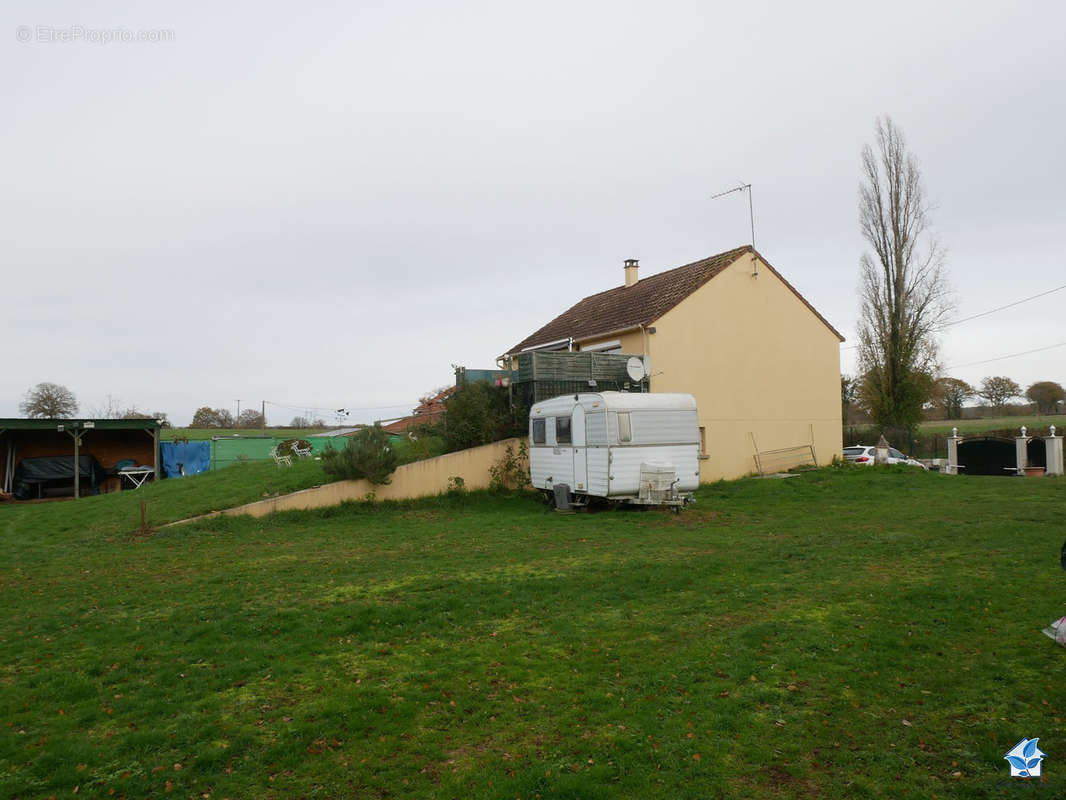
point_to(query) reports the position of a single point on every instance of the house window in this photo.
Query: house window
(562, 430)
(625, 427)
(613, 346)
(538, 431)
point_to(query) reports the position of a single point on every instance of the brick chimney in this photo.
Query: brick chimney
(631, 271)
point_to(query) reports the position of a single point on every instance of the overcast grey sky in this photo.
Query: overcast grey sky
(330, 204)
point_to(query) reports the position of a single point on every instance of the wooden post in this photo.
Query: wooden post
(155, 450)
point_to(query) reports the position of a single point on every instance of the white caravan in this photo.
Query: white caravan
(637, 448)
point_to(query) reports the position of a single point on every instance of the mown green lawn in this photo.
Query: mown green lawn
(846, 633)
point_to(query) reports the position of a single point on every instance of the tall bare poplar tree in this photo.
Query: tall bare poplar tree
(904, 288)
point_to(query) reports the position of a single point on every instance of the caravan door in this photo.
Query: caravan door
(577, 431)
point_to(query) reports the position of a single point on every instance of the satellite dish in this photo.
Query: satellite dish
(635, 368)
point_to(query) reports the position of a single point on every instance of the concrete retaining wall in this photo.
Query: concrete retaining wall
(420, 479)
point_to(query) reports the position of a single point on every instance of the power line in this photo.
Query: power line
(1004, 358)
(1000, 308)
(986, 313)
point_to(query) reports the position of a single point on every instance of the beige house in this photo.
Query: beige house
(763, 364)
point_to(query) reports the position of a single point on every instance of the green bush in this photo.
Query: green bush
(480, 413)
(288, 447)
(366, 455)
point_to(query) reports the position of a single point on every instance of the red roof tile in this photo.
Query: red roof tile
(627, 307)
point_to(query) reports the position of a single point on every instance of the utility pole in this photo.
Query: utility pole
(263, 414)
(238, 414)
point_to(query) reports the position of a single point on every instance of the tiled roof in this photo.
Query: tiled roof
(627, 307)
(404, 424)
(426, 412)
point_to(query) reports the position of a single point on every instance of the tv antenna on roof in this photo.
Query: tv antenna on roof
(751, 214)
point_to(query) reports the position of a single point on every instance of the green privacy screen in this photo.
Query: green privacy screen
(226, 451)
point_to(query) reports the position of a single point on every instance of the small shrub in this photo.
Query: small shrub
(456, 486)
(366, 455)
(511, 472)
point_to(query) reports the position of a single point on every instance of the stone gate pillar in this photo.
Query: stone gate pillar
(1053, 445)
(953, 452)
(1021, 452)
(881, 451)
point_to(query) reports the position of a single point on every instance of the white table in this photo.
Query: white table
(137, 475)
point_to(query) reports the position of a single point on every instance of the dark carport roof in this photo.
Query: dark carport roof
(22, 424)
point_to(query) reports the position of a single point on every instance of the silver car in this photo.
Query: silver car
(864, 454)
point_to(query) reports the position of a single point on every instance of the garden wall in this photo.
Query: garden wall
(418, 479)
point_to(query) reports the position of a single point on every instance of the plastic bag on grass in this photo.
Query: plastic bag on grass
(1057, 631)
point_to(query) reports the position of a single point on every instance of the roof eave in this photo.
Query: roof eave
(585, 338)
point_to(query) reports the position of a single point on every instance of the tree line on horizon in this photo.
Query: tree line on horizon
(49, 400)
(950, 396)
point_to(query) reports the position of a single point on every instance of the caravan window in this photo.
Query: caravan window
(538, 431)
(562, 430)
(625, 427)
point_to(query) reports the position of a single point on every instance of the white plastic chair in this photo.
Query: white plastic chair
(280, 460)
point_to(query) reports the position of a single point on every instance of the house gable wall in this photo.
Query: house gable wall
(759, 362)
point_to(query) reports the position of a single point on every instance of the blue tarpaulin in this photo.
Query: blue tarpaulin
(185, 458)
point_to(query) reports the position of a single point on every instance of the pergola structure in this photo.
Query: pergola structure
(109, 441)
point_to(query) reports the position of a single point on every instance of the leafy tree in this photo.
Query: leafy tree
(903, 284)
(49, 401)
(998, 390)
(848, 389)
(211, 418)
(951, 394)
(1047, 395)
(367, 454)
(250, 418)
(479, 413)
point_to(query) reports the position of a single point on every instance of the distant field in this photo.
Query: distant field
(1033, 423)
(850, 632)
(191, 434)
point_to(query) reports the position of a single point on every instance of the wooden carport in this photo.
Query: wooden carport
(107, 440)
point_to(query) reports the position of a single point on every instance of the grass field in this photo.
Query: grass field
(845, 633)
(1036, 425)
